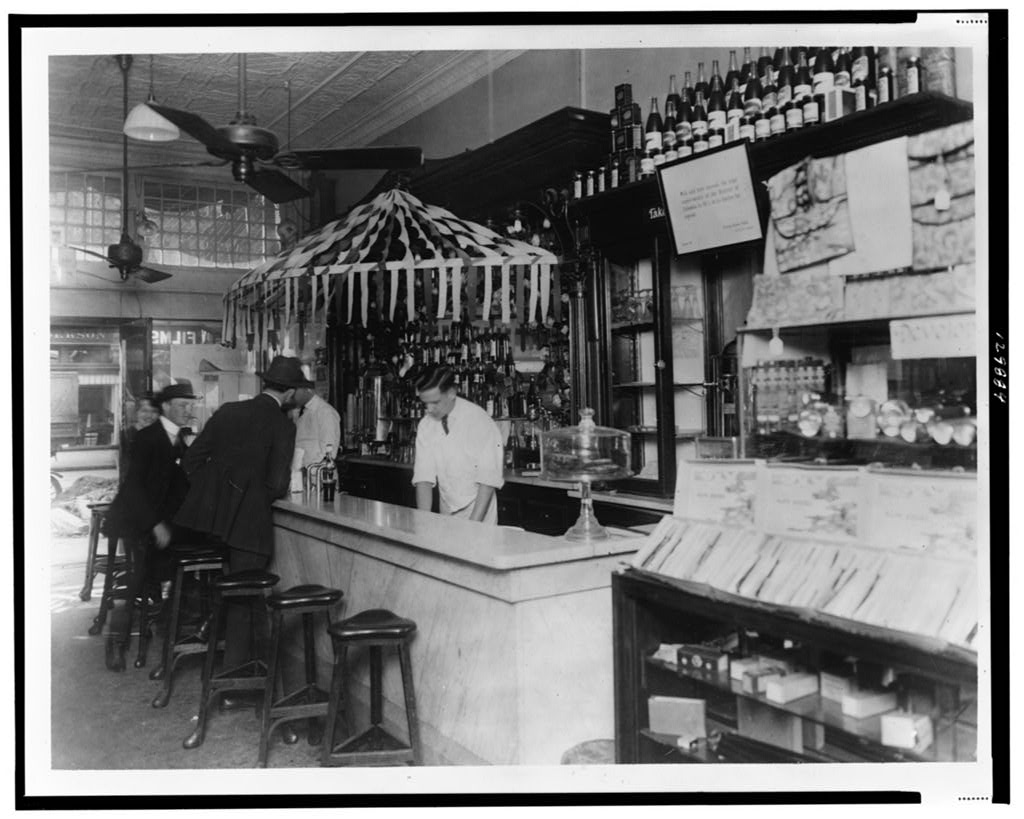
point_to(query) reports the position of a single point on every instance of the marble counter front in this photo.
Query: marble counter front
(512, 659)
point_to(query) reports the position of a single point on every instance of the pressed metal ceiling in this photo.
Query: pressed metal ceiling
(338, 100)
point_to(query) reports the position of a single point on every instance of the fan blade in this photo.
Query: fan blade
(195, 126)
(106, 279)
(341, 159)
(277, 187)
(103, 256)
(150, 275)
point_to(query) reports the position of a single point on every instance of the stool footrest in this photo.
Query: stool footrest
(248, 669)
(309, 695)
(373, 746)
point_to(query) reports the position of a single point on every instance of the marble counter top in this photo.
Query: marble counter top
(489, 547)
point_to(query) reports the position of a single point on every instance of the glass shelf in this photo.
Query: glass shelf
(820, 710)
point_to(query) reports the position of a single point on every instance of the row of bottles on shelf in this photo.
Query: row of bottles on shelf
(780, 389)
(760, 100)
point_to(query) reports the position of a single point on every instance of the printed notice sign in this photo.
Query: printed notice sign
(933, 337)
(709, 200)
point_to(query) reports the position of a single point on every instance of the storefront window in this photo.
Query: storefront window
(84, 387)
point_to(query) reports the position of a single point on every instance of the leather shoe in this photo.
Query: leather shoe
(203, 632)
(288, 735)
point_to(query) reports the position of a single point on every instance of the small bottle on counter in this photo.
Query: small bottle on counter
(577, 185)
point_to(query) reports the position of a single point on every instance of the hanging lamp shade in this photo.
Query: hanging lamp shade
(146, 125)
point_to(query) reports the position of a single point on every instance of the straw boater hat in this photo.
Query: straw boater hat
(286, 371)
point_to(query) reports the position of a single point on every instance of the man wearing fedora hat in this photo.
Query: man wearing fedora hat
(237, 467)
(153, 489)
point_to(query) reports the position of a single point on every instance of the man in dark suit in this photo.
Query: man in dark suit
(154, 487)
(237, 467)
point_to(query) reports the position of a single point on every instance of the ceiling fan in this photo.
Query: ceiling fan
(251, 149)
(126, 255)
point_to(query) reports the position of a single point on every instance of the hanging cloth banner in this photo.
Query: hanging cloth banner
(456, 268)
(488, 290)
(264, 335)
(442, 290)
(410, 290)
(534, 293)
(364, 295)
(351, 293)
(393, 300)
(325, 286)
(312, 307)
(545, 290)
(287, 304)
(506, 312)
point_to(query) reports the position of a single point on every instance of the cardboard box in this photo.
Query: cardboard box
(741, 665)
(756, 680)
(702, 661)
(682, 717)
(623, 95)
(835, 686)
(867, 703)
(767, 724)
(902, 729)
(839, 102)
(793, 686)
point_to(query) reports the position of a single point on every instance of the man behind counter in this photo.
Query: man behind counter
(458, 449)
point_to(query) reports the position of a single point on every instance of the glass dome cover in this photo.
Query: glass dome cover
(585, 453)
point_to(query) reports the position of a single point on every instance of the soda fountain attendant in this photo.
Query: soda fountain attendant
(458, 448)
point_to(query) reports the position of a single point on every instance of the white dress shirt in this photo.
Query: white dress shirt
(317, 425)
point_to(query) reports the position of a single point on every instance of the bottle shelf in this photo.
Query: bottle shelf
(632, 327)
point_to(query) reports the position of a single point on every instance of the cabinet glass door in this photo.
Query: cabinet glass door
(684, 304)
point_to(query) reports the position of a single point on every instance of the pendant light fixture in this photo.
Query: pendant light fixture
(145, 124)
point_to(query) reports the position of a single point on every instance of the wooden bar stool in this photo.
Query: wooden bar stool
(377, 629)
(309, 701)
(246, 587)
(95, 563)
(115, 566)
(201, 563)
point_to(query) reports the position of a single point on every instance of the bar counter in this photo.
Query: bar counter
(512, 660)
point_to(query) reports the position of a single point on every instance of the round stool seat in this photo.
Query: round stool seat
(301, 596)
(373, 623)
(246, 579)
(189, 556)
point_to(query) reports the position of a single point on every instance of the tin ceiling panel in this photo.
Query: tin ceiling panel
(339, 99)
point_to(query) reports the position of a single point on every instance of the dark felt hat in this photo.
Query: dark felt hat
(287, 372)
(182, 389)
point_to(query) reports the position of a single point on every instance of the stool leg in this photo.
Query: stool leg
(163, 672)
(140, 660)
(268, 688)
(314, 731)
(376, 686)
(106, 600)
(90, 564)
(195, 739)
(334, 703)
(410, 702)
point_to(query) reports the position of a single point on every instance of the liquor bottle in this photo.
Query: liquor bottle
(784, 79)
(747, 70)
(684, 147)
(764, 62)
(885, 85)
(655, 127)
(698, 118)
(716, 100)
(791, 114)
(700, 140)
(733, 73)
(701, 87)
(734, 108)
(716, 137)
(752, 94)
(843, 69)
(658, 157)
(860, 92)
(748, 126)
(668, 135)
(328, 475)
(773, 111)
(672, 154)
(862, 77)
(803, 83)
(647, 165)
(812, 108)
(613, 173)
(510, 448)
(763, 124)
(672, 98)
(915, 74)
(687, 95)
(824, 75)
(683, 112)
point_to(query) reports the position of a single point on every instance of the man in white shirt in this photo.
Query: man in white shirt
(458, 449)
(317, 424)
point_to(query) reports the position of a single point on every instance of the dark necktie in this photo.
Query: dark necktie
(444, 424)
(179, 444)
(301, 411)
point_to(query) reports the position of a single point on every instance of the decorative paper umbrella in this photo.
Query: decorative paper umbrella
(393, 233)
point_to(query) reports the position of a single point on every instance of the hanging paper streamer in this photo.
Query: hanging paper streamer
(488, 290)
(410, 290)
(393, 300)
(456, 269)
(325, 282)
(442, 290)
(506, 312)
(311, 323)
(534, 294)
(545, 290)
(351, 291)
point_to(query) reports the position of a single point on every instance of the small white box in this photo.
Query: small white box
(860, 704)
(835, 686)
(839, 102)
(679, 716)
(741, 665)
(756, 680)
(789, 687)
(905, 730)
